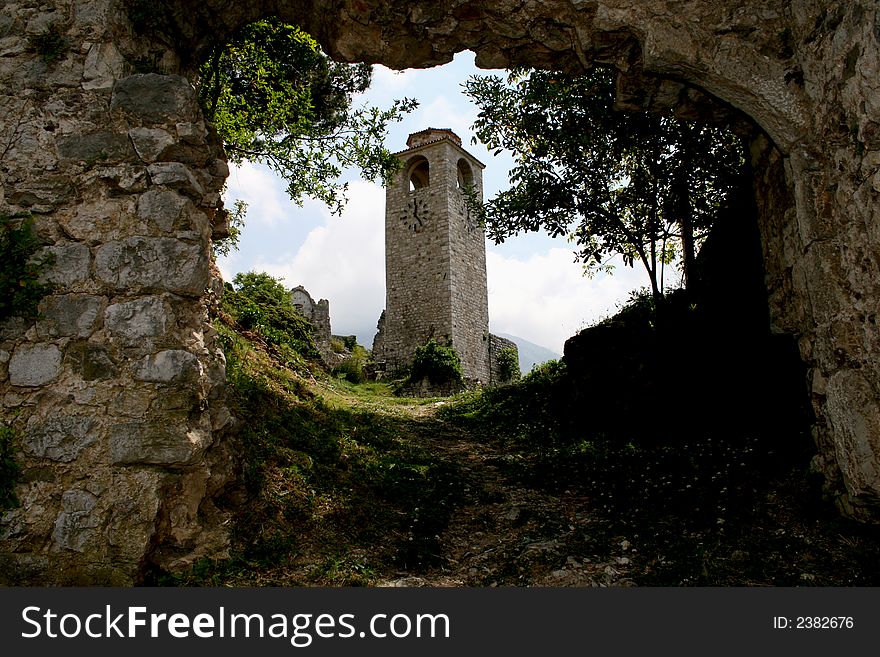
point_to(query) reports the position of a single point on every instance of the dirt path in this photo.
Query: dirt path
(508, 534)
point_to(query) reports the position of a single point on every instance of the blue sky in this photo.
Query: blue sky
(536, 290)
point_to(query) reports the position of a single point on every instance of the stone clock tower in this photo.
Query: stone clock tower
(435, 257)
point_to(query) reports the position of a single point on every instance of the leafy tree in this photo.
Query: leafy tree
(640, 185)
(277, 99)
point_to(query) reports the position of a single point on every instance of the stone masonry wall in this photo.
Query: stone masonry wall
(117, 392)
(467, 241)
(417, 286)
(496, 345)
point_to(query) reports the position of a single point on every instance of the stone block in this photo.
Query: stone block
(60, 438)
(34, 365)
(151, 143)
(176, 176)
(153, 99)
(161, 207)
(90, 361)
(103, 66)
(854, 414)
(138, 320)
(192, 133)
(95, 148)
(42, 194)
(154, 443)
(124, 178)
(69, 315)
(76, 524)
(171, 365)
(71, 264)
(140, 264)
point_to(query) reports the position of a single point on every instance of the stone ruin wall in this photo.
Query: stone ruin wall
(117, 391)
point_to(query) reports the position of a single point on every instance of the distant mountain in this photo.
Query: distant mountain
(530, 354)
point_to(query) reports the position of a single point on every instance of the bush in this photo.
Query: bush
(262, 304)
(436, 362)
(508, 364)
(9, 469)
(20, 286)
(49, 44)
(351, 369)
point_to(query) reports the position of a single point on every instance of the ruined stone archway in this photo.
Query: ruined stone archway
(118, 389)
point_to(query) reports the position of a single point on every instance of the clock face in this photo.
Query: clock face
(415, 215)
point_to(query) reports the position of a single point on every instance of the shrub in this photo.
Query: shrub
(20, 286)
(49, 44)
(9, 469)
(351, 369)
(262, 304)
(508, 364)
(436, 362)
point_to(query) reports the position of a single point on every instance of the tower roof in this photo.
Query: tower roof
(429, 135)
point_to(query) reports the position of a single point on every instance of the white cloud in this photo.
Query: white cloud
(343, 260)
(443, 113)
(387, 80)
(262, 190)
(546, 299)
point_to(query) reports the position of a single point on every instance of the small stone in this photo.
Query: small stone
(69, 315)
(176, 176)
(60, 438)
(43, 194)
(95, 147)
(157, 443)
(103, 66)
(168, 366)
(161, 207)
(154, 98)
(76, 524)
(135, 321)
(192, 133)
(126, 178)
(150, 143)
(153, 263)
(34, 365)
(71, 264)
(90, 361)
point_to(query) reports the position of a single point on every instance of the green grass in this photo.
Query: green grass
(334, 490)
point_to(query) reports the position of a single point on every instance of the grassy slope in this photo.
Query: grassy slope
(333, 491)
(347, 485)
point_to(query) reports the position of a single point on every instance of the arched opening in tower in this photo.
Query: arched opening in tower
(465, 177)
(419, 174)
